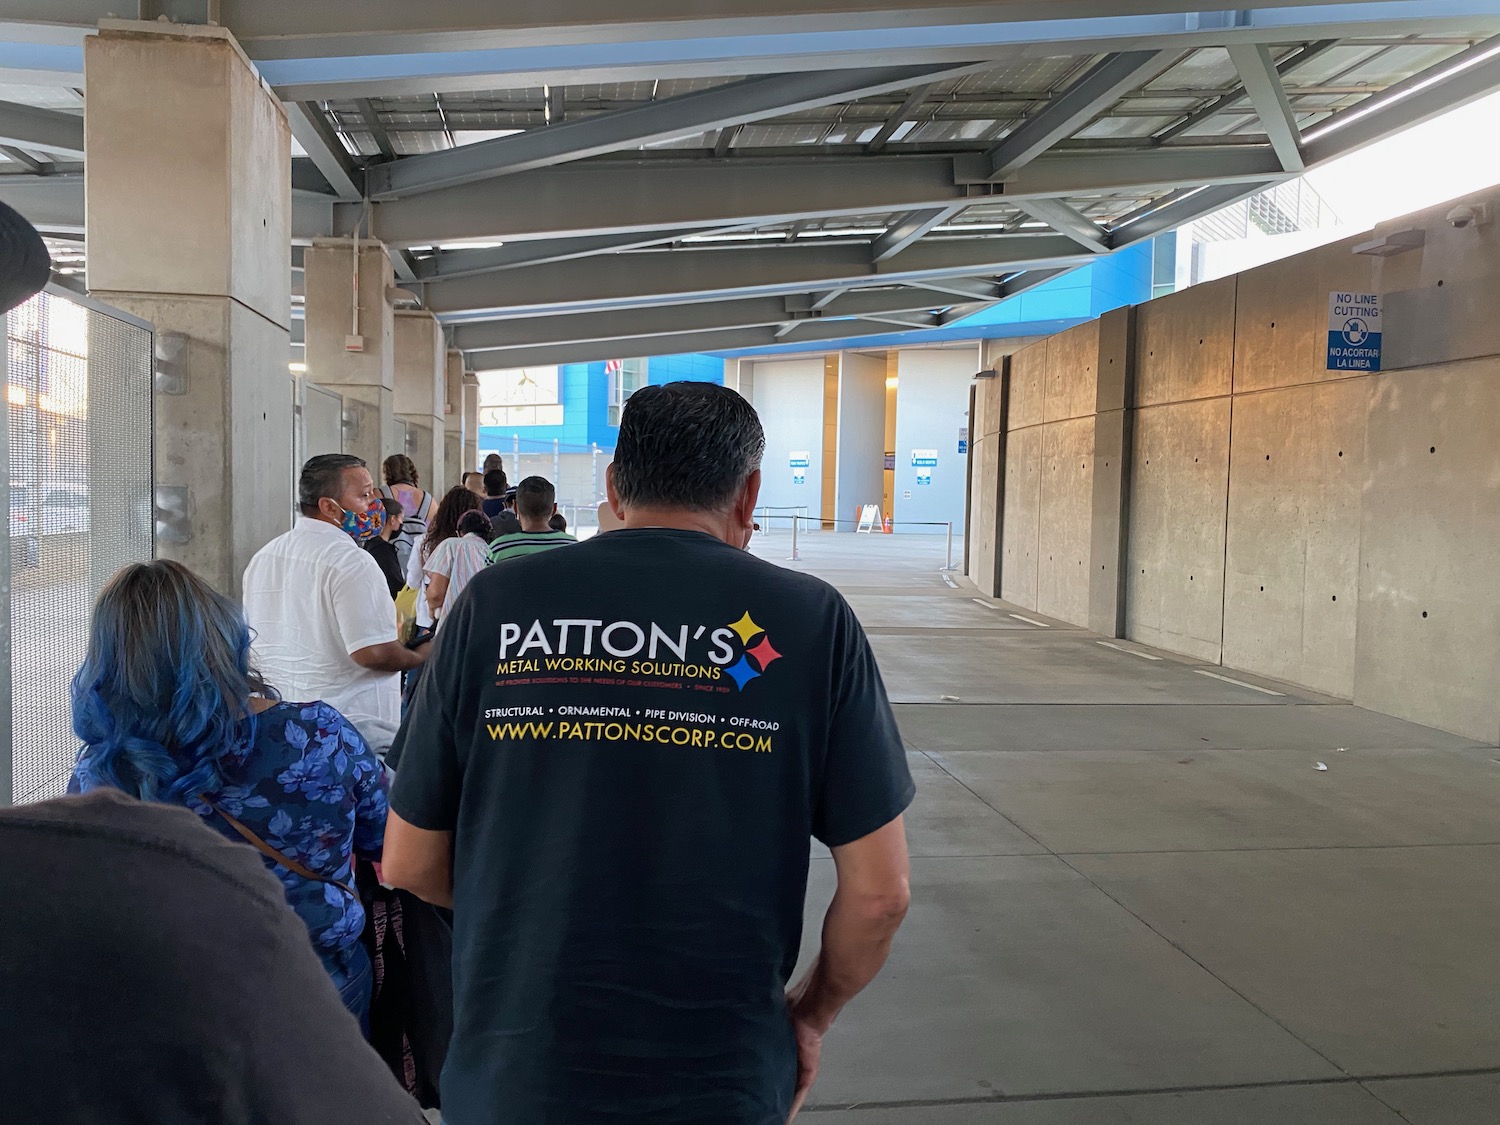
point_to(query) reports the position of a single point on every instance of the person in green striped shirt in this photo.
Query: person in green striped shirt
(536, 504)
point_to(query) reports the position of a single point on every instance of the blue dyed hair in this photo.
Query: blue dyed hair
(163, 694)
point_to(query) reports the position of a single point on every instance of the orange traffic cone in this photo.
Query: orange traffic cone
(887, 525)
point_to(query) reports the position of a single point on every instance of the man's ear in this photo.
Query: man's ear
(612, 494)
(749, 497)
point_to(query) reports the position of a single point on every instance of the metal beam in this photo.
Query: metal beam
(591, 350)
(371, 119)
(54, 203)
(25, 159)
(1224, 101)
(970, 289)
(753, 99)
(895, 120)
(910, 320)
(317, 51)
(1263, 87)
(49, 203)
(404, 266)
(1466, 77)
(1190, 206)
(445, 264)
(709, 316)
(41, 130)
(911, 227)
(603, 196)
(1083, 101)
(1065, 220)
(451, 45)
(317, 137)
(646, 278)
(726, 138)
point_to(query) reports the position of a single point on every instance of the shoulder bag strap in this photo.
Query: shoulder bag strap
(285, 861)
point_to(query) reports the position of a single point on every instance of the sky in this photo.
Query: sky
(1452, 155)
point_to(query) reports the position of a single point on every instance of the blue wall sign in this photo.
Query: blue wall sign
(1354, 332)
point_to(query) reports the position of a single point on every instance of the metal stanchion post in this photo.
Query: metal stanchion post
(949, 566)
(795, 556)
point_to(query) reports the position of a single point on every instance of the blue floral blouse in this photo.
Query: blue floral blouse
(311, 788)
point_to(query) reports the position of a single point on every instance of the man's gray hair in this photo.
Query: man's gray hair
(686, 445)
(323, 476)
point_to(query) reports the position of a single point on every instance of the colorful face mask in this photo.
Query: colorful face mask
(365, 525)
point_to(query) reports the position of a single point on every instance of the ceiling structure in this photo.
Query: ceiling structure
(638, 178)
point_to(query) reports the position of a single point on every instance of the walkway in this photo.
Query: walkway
(1136, 899)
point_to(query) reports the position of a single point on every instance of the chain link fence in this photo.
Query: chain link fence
(79, 444)
(576, 471)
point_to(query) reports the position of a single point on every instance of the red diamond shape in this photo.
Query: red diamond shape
(764, 654)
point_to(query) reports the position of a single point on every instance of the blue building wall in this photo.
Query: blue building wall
(584, 390)
(1114, 280)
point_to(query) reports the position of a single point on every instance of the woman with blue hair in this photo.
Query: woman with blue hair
(170, 710)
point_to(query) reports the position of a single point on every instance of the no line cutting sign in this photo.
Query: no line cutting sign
(1353, 331)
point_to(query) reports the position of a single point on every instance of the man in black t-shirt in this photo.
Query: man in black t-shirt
(612, 773)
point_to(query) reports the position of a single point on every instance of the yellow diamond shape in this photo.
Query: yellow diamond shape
(746, 627)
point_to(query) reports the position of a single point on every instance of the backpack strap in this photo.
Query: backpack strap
(284, 860)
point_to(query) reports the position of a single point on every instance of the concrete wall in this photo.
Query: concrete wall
(788, 395)
(861, 434)
(1335, 530)
(987, 434)
(1053, 443)
(1184, 354)
(932, 405)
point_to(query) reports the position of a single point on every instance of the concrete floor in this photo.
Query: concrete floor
(1136, 900)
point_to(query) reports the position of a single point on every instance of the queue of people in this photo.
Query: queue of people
(627, 887)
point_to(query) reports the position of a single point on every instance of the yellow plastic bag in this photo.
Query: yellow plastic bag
(406, 613)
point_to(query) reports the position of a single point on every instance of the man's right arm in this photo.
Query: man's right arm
(392, 656)
(867, 910)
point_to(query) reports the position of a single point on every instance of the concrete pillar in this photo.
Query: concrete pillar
(351, 330)
(988, 425)
(454, 465)
(859, 478)
(471, 421)
(1109, 521)
(420, 396)
(188, 179)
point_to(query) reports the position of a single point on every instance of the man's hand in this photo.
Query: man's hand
(391, 656)
(809, 1052)
(867, 909)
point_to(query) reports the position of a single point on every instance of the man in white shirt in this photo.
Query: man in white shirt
(319, 608)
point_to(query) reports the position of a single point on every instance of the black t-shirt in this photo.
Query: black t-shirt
(390, 565)
(151, 971)
(632, 741)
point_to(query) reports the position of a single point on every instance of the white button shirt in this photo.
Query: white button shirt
(313, 597)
